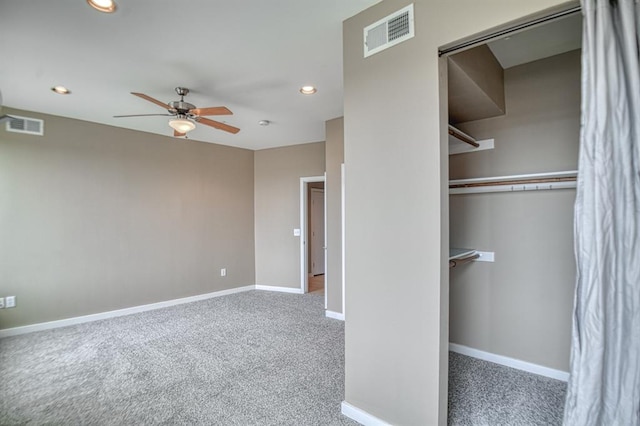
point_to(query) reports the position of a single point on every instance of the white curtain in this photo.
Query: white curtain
(604, 386)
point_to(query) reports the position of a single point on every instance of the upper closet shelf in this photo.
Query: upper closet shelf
(460, 142)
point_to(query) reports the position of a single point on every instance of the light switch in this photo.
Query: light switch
(296, 232)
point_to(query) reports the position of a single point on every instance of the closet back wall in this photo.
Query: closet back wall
(95, 218)
(520, 306)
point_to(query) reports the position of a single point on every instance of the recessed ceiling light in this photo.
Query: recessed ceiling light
(308, 90)
(61, 90)
(107, 6)
(264, 122)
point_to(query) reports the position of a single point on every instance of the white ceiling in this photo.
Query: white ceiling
(249, 55)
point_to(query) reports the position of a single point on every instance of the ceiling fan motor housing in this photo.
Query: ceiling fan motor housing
(181, 107)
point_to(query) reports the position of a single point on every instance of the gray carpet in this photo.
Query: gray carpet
(253, 358)
(483, 393)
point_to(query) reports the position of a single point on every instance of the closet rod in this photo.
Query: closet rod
(455, 262)
(514, 182)
(463, 137)
(506, 31)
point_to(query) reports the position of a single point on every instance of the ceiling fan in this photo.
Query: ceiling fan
(186, 114)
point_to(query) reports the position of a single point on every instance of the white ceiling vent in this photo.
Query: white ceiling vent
(31, 126)
(389, 31)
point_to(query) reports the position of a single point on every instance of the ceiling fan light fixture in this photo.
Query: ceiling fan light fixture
(182, 125)
(106, 6)
(308, 90)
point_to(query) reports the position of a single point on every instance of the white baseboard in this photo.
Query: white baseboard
(280, 289)
(117, 313)
(334, 315)
(510, 362)
(361, 416)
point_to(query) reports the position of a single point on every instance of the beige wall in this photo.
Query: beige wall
(335, 157)
(397, 222)
(520, 306)
(277, 210)
(95, 218)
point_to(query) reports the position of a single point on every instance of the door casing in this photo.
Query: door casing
(304, 254)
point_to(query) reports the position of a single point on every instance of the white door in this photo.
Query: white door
(317, 231)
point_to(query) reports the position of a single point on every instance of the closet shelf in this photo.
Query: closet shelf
(529, 182)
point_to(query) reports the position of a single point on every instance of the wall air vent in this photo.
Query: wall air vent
(389, 31)
(30, 126)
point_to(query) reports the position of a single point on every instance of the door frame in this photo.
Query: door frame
(313, 240)
(343, 213)
(304, 226)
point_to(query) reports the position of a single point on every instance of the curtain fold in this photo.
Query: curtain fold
(604, 385)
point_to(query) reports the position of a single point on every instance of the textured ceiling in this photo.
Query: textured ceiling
(249, 55)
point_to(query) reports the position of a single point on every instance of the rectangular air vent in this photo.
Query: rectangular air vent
(31, 126)
(389, 31)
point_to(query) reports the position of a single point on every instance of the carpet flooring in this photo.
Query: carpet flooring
(484, 393)
(252, 358)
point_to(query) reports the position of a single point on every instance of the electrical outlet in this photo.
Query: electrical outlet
(1, 302)
(223, 272)
(10, 301)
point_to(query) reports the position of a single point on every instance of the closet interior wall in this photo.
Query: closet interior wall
(520, 305)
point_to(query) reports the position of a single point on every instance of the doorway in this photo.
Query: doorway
(313, 235)
(315, 232)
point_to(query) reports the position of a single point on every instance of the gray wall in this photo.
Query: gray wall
(397, 219)
(335, 157)
(277, 210)
(95, 218)
(520, 306)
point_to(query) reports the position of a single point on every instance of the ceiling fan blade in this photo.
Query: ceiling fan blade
(143, 115)
(217, 125)
(150, 99)
(177, 134)
(211, 111)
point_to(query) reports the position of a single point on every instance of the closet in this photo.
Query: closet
(514, 113)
